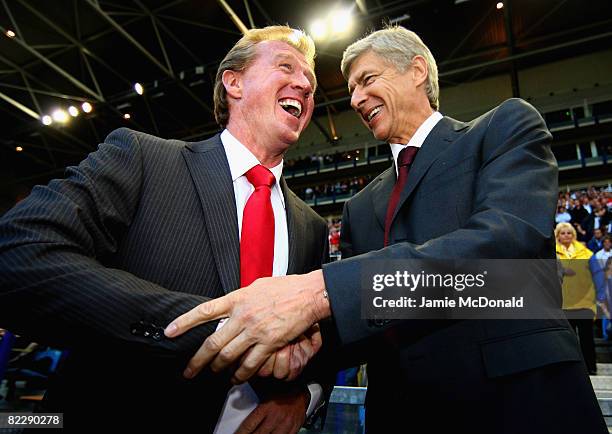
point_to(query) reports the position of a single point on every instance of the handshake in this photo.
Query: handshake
(271, 328)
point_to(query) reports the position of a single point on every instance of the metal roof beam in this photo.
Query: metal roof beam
(19, 106)
(198, 24)
(157, 22)
(119, 28)
(54, 66)
(235, 18)
(147, 54)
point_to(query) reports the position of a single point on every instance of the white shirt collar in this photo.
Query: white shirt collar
(419, 136)
(241, 159)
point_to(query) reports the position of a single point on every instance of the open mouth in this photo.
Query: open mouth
(291, 106)
(372, 114)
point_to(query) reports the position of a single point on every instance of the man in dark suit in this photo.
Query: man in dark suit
(145, 229)
(483, 189)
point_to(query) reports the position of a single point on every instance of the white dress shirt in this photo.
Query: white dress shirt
(418, 138)
(241, 160)
(241, 400)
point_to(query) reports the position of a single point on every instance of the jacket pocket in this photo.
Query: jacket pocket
(521, 353)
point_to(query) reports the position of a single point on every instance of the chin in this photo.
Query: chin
(380, 135)
(290, 136)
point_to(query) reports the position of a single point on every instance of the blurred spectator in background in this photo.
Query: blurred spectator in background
(345, 187)
(586, 203)
(605, 252)
(578, 290)
(595, 244)
(601, 268)
(596, 220)
(579, 214)
(562, 215)
(334, 241)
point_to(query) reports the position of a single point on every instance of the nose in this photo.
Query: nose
(303, 83)
(358, 98)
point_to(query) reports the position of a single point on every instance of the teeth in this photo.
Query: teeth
(373, 113)
(292, 103)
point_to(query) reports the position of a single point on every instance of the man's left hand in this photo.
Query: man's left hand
(289, 362)
(283, 413)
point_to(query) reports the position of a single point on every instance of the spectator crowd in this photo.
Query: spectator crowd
(584, 248)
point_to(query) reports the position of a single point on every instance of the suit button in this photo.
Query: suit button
(137, 329)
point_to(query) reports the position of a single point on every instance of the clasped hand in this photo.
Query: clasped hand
(271, 330)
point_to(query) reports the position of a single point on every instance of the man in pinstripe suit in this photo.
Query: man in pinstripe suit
(145, 229)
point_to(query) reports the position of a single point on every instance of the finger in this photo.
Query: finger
(231, 352)
(251, 364)
(307, 348)
(317, 342)
(270, 425)
(268, 367)
(211, 310)
(281, 364)
(211, 347)
(295, 366)
(252, 421)
(298, 362)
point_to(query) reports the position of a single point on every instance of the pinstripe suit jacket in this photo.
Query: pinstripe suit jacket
(143, 230)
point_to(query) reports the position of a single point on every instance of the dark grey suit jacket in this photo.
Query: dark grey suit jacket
(484, 189)
(100, 262)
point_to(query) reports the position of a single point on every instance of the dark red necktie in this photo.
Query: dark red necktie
(257, 237)
(404, 160)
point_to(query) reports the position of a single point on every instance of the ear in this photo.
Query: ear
(232, 83)
(419, 69)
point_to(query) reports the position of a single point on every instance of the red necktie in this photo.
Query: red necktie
(404, 160)
(257, 237)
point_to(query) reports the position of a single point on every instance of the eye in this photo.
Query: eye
(368, 79)
(287, 66)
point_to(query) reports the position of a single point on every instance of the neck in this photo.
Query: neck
(413, 124)
(269, 156)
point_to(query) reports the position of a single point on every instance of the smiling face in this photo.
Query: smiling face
(271, 101)
(565, 237)
(392, 104)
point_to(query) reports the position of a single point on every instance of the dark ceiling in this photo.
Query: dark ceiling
(69, 51)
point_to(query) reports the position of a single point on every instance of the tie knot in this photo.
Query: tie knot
(406, 156)
(260, 176)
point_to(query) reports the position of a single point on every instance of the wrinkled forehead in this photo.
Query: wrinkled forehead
(363, 64)
(280, 50)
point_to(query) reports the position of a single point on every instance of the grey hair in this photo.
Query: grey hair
(398, 46)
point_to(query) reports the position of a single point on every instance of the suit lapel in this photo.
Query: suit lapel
(437, 141)
(296, 226)
(381, 192)
(211, 175)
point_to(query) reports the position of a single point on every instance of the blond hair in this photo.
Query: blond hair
(244, 52)
(564, 225)
(398, 46)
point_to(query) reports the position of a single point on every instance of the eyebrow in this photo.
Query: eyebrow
(311, 77)
(359, 79)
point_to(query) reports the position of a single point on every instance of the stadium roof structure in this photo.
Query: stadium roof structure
(61, 53)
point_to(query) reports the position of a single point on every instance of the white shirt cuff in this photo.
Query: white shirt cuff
(316, 393)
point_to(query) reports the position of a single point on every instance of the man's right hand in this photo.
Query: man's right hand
(263, 318)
